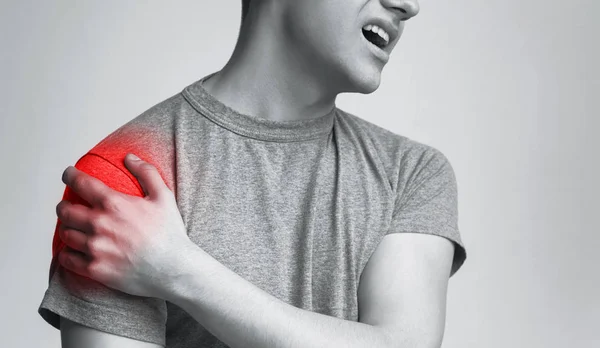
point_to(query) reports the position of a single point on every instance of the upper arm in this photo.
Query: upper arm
(404, 284)
(95, 312)
(74, 335)
(403, 287)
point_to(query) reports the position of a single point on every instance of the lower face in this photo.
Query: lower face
(330, 34)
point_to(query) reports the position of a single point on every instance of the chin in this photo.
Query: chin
(354, 77)
(364, 80)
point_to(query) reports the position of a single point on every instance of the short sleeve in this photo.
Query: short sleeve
(427, 201)
(91, 303)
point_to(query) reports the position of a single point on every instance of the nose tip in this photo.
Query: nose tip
(408, 9)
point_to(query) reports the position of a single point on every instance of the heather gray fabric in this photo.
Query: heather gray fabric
(296, 208)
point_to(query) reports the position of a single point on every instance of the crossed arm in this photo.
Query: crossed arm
(401, 296)
(402, 303)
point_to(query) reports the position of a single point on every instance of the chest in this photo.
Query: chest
(288, 221)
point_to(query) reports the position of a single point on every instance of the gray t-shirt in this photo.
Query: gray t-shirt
(296, 208)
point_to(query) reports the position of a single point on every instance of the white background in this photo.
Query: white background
(507, 90)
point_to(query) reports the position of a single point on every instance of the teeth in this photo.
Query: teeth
(379, 31)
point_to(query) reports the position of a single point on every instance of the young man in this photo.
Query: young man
(261, 215)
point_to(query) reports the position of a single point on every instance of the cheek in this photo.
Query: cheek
(323, 24)
(330, 35)
(337, 39)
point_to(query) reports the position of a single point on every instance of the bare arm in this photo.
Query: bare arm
(402, 300)
(74, 335)
(403, 288)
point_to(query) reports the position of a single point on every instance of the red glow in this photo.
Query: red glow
(105, 162)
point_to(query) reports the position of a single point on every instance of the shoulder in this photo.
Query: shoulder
(150, 135)
(403, 157)
(385, 139)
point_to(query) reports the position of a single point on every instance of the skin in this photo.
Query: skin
(402, 291)
(317, 44)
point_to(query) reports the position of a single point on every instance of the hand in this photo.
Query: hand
(129, 243)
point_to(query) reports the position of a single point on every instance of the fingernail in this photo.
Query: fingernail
(133, 157)
(65, 173)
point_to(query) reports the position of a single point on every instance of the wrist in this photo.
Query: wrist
(184, 281)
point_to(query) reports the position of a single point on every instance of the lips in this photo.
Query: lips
(386, 25)
(374, 38)
(382, 54)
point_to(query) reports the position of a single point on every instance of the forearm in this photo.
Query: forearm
(242, 315)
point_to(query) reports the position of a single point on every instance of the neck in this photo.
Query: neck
(267, 78)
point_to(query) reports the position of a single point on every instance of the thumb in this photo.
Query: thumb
(147, 175)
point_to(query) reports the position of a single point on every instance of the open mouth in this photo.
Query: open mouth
(376, 36)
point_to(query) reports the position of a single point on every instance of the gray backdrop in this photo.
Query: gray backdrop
(508, 90)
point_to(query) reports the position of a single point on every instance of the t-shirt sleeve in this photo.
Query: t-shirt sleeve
(427, 202)
(91, 303)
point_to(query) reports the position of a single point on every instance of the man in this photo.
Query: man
(260, 214)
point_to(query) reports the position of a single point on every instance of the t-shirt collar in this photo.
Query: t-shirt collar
(255, 127)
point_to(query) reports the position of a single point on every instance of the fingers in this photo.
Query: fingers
(73, 260)
(148, 177)
(73, 238)
(76, 216)
(86, 186)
